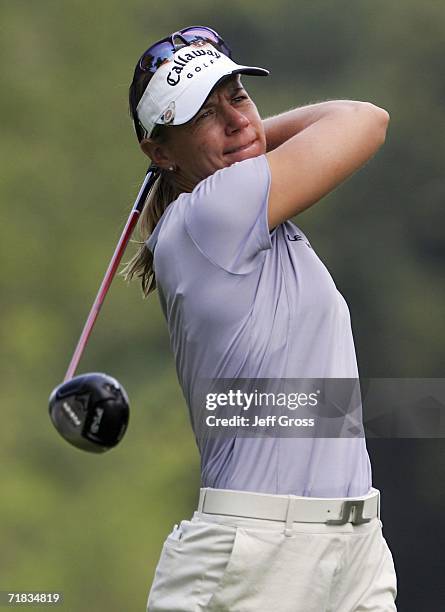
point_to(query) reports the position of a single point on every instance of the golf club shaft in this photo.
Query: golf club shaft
(111, 271)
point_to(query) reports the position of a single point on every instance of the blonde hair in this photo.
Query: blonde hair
(163, 192)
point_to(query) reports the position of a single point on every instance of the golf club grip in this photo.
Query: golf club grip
(111, 271)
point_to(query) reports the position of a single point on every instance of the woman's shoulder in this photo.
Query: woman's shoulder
(170, 215)
(247, 170)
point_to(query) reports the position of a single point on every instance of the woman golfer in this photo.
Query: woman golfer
(284, 523)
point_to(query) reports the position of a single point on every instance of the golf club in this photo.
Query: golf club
(91, 411)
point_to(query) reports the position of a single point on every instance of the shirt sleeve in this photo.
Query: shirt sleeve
(226, 215)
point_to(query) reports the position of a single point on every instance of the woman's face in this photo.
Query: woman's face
(227, 129)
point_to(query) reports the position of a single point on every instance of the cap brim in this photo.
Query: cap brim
(191, 99)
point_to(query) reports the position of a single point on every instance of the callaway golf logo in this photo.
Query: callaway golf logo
(180, 62)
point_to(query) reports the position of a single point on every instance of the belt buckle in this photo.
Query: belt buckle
(350, 507)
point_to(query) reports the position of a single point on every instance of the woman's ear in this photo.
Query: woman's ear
(157, 152)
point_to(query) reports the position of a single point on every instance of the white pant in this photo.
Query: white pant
(228, 564)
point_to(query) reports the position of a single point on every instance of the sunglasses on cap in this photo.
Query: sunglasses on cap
(164, 49)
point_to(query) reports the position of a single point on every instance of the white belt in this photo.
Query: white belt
(291, 508)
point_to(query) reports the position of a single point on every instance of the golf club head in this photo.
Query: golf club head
(90, 411)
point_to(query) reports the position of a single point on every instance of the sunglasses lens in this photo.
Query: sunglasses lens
(205, 34)
(155, 56)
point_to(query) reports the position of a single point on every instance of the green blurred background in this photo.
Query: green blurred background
(92, 526)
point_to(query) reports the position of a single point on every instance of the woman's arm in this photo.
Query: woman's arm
(313, 149)
(280, 128)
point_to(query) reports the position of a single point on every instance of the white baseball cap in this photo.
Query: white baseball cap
(181, 85)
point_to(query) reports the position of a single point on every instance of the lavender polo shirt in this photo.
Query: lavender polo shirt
(243, 302)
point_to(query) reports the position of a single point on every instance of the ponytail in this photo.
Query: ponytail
(163, 192)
